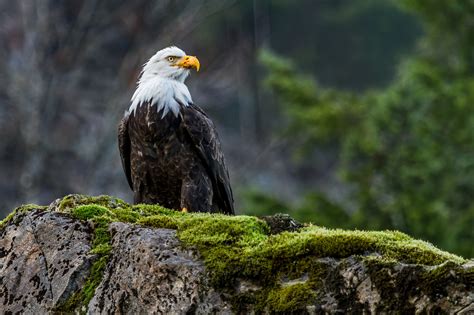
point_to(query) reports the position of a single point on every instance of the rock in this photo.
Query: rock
(281, 222)
(44, 258)
(51, 261)
(148, 270)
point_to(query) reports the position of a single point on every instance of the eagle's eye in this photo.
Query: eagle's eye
(171, 58)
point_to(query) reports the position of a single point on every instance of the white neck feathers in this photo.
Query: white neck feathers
(166, 94)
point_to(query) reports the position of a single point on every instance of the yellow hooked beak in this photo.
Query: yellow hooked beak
(188, 62)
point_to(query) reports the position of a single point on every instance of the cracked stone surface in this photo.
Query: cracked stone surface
(149, 272)
(44, 258)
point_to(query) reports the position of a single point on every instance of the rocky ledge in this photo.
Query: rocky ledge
(100, 255)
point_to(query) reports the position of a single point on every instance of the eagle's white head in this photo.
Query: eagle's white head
(162, 81)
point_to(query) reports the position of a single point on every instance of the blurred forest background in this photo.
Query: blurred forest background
(344, 113)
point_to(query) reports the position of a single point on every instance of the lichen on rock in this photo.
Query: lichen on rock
(146, 258)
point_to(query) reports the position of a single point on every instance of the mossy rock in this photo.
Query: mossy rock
(288, 263)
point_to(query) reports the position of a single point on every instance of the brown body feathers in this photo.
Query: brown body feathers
(175, 161)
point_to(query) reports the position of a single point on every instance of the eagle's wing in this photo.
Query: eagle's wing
(203, 135)
(124, 147)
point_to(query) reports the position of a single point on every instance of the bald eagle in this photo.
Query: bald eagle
(170, 150)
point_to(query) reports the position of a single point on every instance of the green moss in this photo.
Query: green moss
(148, 210)
(79, 300)
(322, 242)
(244, 302)
(19, 210)
(240, 248)
(435, 277)
(159, 221)
(100, 217)
(126, 215)
(94, 279)
(100, 247)
(70, 202)
(290, 299)
(89, 211)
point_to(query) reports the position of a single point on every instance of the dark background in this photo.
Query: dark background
(345, 113)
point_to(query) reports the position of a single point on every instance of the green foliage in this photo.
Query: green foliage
(407, 150)
(317, 114)
(419, 159)
(324, 212)
(450, 35)
(258, 204)
(350, 44)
